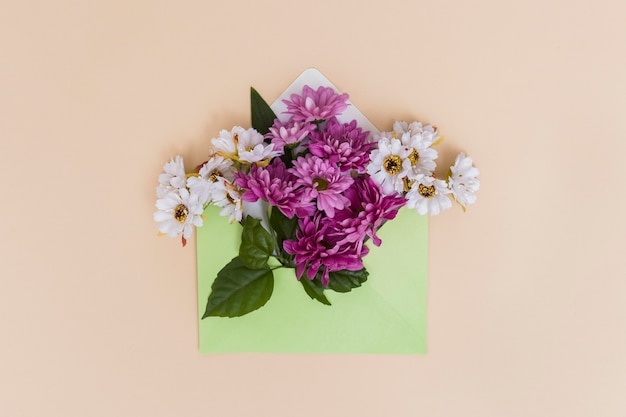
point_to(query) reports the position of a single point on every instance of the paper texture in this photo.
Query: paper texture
(385, 315)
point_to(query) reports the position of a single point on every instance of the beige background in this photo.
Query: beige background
(527, 302)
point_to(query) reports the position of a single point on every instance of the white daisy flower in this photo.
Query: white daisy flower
(251, 147)
(428, 133)
(225, 195)
(421, 155)
(200, 187)
(244, 145)
(226, 143)
(462, 181)
(217, 167)
(428, 196)
(178, 212)
(207, 180)
(390, 165)
(173, 178)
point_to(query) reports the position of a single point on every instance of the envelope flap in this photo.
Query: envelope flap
(314, 79)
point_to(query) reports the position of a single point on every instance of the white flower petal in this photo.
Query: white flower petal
(171, 221)
(428, 196)
(462, 181)
(173, 178)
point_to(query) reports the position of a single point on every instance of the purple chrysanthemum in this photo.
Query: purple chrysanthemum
(316, 248)
(289, 133)
(366, 212)
(344, 144)
(273, 183)
(313, 105)
(322, 181)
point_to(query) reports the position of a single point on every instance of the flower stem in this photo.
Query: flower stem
(284, 261)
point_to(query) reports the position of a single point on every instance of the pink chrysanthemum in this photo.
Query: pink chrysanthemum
(322, 181)
(367, 211)
(316, 248)
(274, 184)
(288, 134)
(313, 105)
(344, 144)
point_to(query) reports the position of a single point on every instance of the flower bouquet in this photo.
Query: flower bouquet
(311, 184)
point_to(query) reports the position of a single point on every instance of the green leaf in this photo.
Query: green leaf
(314, 291)
(344, 281)
(262, 115)
(238, 290)
(256, 244)
(284, 227)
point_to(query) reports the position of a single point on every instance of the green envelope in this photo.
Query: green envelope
(387, 314)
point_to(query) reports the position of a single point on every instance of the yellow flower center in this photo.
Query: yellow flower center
(427, 191)
(392, 164)
(414, 157)
(408, 184)
(180, 213)
(213, 176)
